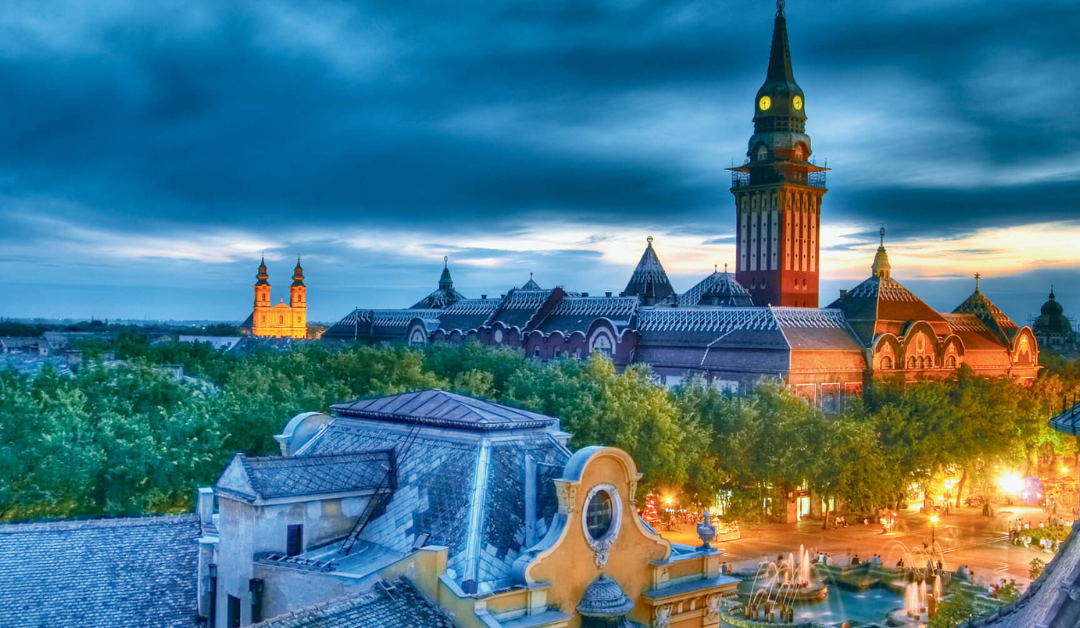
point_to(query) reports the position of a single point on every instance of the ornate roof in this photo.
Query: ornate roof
(719, 288)
(991, 315)
(438, 407)
(531, 285)
(254, 479)
(298, 274)
(262, 276)
(649, 281)
(706, 319)
(578, 313)
(101, 573)
(468, 314)
(444, 296)
(604, 598)
(882, 304)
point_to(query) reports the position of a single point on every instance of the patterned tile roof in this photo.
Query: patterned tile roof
(719, 288)
(716, 320)
(520, 307)
(438, 300)
(991, 315)
(468, 314)
(100, 573)
(373, 323)
(578, 313)
(394, 604)
(879, 301)
(441, 408)
(276, 476)
(649, 279)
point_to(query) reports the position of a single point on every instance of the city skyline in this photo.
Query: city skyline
(374, 140)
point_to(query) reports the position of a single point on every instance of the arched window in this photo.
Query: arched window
(762, 153)
(912, 363)
(281, 320)
(886, 363)
(536, 351)
(950, 362)
(602, 343)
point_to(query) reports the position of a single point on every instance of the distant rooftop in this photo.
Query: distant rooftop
(445, 409)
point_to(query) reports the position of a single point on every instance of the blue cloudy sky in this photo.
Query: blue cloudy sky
(151, 151)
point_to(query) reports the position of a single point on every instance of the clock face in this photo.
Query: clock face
(797, 102)
(765, 103)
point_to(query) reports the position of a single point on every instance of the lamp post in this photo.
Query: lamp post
(933, 531)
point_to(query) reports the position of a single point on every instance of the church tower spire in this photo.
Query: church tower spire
(778, 191)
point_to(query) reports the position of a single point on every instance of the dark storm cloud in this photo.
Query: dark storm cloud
(291, 120)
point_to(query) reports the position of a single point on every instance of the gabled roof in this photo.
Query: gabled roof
(273, 477)
(719, 288)
(441, 408)
(520, 307)
(393, 604)
(649, 280)
(100, 573)
(531, 285)
(379, 323)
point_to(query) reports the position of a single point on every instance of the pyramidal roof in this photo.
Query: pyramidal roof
(531, 285)
(649, 279)
(990, 314)
(719, 288)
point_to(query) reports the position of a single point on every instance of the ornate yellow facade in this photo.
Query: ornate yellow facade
(281, 320)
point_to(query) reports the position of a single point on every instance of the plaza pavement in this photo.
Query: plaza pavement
(965, 537)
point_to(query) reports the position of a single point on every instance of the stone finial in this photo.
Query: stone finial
(706, 532)
(649, 240)
(977, 277)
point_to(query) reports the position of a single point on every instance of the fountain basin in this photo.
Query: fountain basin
(902, 619)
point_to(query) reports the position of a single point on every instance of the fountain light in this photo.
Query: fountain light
(1011, 483)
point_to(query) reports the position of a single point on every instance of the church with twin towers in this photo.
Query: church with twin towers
(762, 321)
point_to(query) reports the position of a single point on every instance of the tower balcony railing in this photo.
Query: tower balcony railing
(816, 179)
(740, 179)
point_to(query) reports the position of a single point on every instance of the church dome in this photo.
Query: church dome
(604, 598)
(1052, 307)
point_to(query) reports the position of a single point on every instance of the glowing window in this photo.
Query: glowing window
(599, 514)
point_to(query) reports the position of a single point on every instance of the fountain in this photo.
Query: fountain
(923, 586)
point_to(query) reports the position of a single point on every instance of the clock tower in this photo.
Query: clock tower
(778, 191)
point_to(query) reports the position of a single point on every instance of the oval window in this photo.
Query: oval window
(599, 514)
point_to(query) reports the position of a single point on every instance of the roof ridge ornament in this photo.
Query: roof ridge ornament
(780, 8)
(977, 276)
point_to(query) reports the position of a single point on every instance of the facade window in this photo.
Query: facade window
(281, 320)
(950, 361)
(536, 352)
(886, 363)
(294, 540)
(558, 353)
(599, 514)
(912, 363)
(762, 153)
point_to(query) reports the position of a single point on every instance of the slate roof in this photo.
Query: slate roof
(380, 324)
(531, 284)
(649, 280)
(438, 300)
(712, 327)
(578, 313)
(520, 307)
(463, 486)
(273, 477)
(397, 605)
(719, 288)
(468, 314)
(441, 408)
(100, 573)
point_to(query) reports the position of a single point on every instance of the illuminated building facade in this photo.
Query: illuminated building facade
(284, 320)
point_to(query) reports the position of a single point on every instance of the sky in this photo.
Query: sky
(150, 152)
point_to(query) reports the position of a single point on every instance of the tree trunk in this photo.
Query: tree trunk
(825, 525)
(960, 487)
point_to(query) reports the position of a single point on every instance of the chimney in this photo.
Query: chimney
(584, 294)
(483, 296)
(204, 507)
(607, 294)
(843, 294)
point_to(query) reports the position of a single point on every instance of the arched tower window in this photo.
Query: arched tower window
(886, 363)
(762, 153)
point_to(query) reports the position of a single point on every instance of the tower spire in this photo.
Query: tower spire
(881, 268)
(977, 277)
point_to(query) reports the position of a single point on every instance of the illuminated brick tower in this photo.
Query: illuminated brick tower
(778, 191)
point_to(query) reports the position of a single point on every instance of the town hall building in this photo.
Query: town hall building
(763, 320)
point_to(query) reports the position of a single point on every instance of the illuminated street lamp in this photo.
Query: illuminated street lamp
(933, 530)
